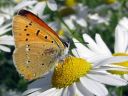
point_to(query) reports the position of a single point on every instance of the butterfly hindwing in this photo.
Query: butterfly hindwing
(35, 59)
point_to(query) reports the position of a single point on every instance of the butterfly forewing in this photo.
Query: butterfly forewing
(37, 49)
(26, 31)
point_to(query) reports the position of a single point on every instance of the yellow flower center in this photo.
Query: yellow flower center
(42, 0)
(124, 64)
(70, 3)
(17, 1)
(61, 32)
(70, 71)
(110, 1)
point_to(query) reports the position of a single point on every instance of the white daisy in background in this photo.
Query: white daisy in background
(37, 6)
(96, 19)
(6, 13)
(110, 4)
(80, 76)
(82, 17)
(10, 93)
(5, 39)
(121, 43)
(79, 17)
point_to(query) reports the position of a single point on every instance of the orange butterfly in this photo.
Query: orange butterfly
(37, 46)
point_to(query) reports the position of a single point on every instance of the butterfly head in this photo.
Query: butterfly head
(66, 48)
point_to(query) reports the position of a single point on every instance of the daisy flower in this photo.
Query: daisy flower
(82, 17)
(5, 39)
(121, 43)
(6, 13)
(96, 19)
(39, 5)
(102, 51)
(79, 17)
(78, 76)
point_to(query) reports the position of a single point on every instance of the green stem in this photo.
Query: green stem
(121, 91)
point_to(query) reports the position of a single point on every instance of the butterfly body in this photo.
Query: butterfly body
(37, 46)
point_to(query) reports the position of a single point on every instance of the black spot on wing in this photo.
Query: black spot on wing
(30, 23)
(27, 34)
(52, 41)
(25, 29)
(46, 37)
(37, 33)
(26, 26)
(26, 39)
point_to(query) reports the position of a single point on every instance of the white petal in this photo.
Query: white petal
(89, 57)
(32, 92)
(64, 91)
(6, 40)
(1, 20)
(69, 22)
(48, 92)
(108, 79)
(44, 83)
(110, 67)
(52, 5)
(102, 45)
(81, 22)
(5, 28)
(124, 22)
(126, 41)
(59, 92)
(126, 77)
(94, 87)
(4, 48)
(91, 44)
(121, 35)
(82, 50)
(121, 39)
(39, 8)
(24, 4)
(83, 90)
(77, 92)
(110, 60)
(71, 91)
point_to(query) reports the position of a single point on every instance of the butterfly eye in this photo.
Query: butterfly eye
(66, 44)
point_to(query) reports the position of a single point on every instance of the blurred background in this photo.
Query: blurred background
(70, 18)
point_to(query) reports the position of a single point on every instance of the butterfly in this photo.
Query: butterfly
(37, 46)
